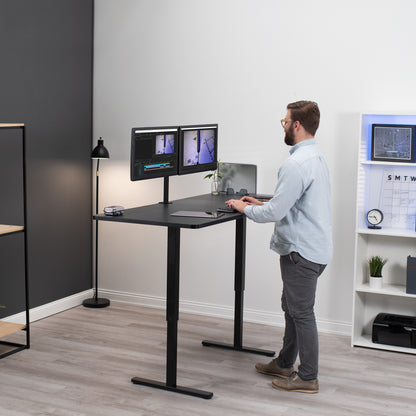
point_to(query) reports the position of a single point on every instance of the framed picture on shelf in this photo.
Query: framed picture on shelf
(393, 143)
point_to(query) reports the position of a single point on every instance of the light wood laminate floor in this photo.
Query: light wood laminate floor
(81, 362)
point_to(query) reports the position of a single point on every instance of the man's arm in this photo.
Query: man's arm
(288, 190)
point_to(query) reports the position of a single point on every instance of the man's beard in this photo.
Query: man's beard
(290, 136)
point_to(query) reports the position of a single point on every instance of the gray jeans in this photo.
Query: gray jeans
(300, 277)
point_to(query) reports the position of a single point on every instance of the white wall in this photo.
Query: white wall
(238, 63)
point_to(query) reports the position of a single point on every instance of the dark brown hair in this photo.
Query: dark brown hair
(307, 113)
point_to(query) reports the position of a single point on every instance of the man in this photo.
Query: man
(301, 211)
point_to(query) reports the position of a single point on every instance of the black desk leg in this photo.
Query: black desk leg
(172, 316)
(239, 285)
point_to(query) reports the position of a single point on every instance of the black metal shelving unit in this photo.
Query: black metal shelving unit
(7, 328)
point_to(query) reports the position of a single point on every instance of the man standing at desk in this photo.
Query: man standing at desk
(301, 211)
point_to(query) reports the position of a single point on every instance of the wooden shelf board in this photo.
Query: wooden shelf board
(8, 229)
(389, 232)
(375, 163)
(365, 341)
(7, 125)
(387, 289)
(7, 328)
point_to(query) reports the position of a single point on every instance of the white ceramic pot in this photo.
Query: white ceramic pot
(376, 282)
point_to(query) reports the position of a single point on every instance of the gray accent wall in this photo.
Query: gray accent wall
(46, 82)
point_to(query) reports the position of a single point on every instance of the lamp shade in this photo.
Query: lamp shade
(100, 152)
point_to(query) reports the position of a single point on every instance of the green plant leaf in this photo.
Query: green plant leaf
(376, 264)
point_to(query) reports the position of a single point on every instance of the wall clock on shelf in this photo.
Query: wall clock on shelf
(374, 218)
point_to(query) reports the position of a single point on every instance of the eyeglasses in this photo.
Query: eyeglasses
(283, 121)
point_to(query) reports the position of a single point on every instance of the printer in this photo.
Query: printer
(399, 330)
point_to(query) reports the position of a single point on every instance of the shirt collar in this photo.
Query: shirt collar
(306, 142)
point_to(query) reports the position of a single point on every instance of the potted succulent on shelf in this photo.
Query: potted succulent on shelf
(376, 264)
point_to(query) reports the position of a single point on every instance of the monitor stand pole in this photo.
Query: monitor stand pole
(165, 191)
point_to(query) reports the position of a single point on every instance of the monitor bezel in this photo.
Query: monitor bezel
(155, 174)
(184, 170)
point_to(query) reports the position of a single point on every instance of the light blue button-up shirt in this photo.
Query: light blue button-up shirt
(301, 205)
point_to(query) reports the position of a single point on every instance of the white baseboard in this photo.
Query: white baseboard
(197, 308)
(51, 308)
(221, 311)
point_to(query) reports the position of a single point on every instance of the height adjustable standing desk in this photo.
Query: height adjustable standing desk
(160, 215)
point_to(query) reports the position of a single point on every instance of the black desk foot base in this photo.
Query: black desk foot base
(177, 389)
(268, 353)
(96, 303)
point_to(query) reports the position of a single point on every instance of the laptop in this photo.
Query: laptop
(240, 179)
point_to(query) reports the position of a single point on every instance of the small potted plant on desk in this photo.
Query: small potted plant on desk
(376, 264)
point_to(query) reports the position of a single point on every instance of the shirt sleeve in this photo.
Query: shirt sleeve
(288, 190)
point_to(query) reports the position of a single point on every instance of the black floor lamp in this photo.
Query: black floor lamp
(99, 152)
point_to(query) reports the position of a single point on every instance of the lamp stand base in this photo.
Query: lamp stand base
(96, 303)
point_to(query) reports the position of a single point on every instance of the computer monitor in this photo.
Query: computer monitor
(154, 152)
(197, 148)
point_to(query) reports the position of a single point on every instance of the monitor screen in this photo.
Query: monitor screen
(198, 148)
(154, 152)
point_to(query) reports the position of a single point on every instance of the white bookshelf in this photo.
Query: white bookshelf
(391, 242)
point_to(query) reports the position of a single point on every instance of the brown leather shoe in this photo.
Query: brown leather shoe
(272, 369)
(295, 383)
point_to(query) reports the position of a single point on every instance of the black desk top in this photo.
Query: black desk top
(160, 214)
